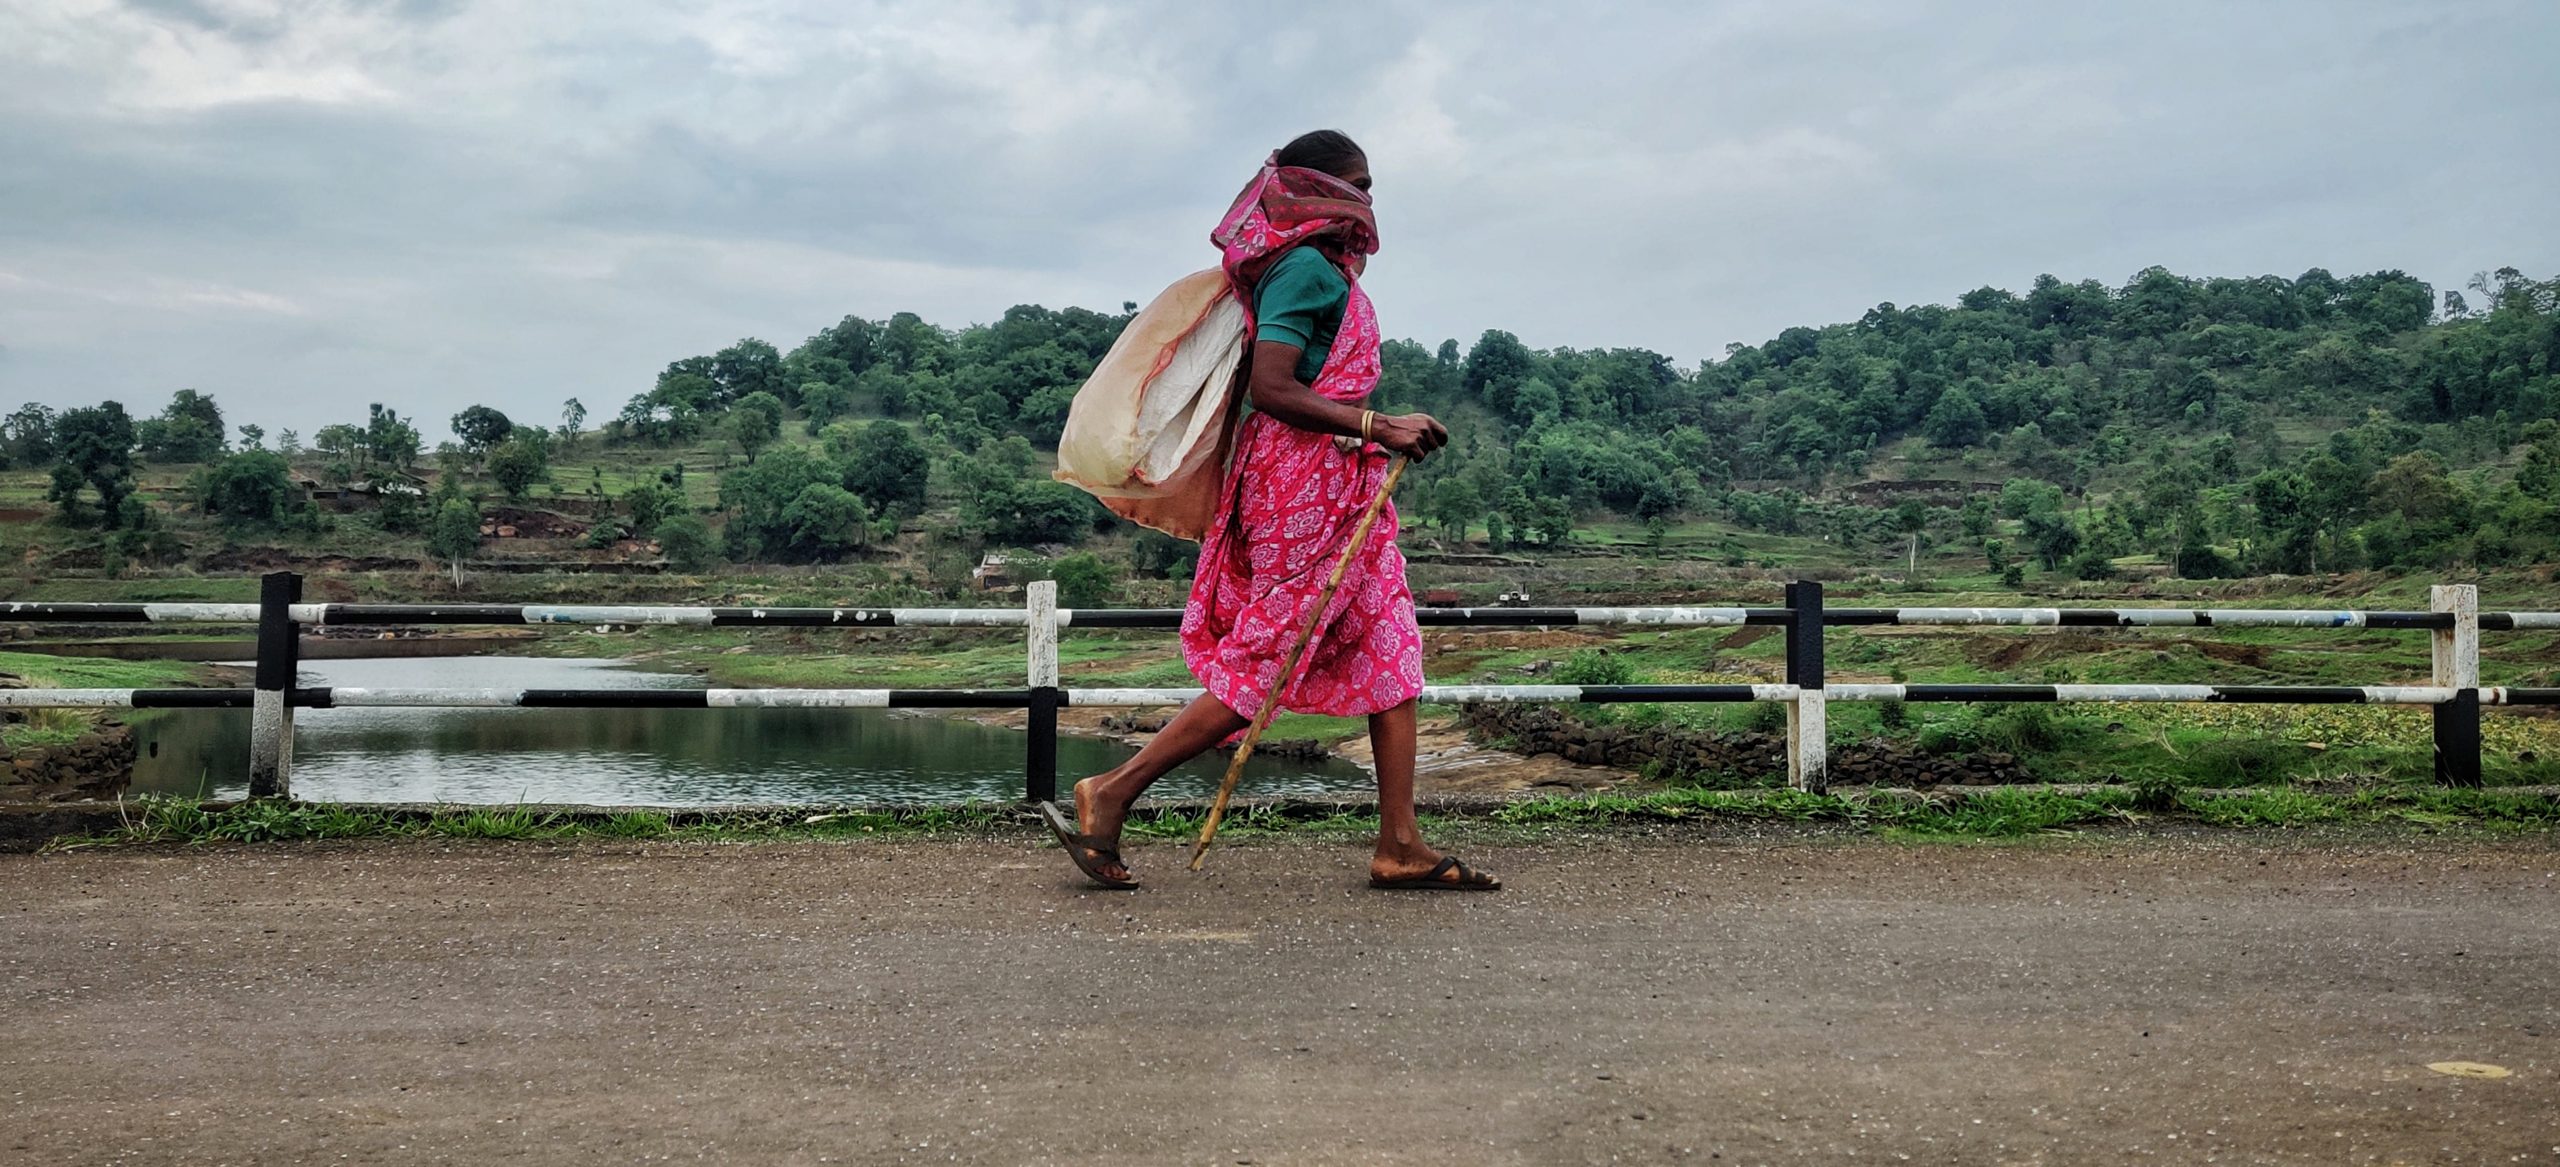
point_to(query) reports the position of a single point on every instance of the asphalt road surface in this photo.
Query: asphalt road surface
(2130, 999)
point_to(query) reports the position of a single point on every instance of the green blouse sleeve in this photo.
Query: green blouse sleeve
(1301, 298)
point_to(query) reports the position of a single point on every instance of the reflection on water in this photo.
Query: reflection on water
(664, 757)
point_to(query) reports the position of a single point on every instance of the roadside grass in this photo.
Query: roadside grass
(1985, 814)
(47, 728)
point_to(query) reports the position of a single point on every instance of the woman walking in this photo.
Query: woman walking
(1308, 459)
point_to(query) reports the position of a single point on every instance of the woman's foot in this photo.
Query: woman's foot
(1097, 818)
(1421, 868)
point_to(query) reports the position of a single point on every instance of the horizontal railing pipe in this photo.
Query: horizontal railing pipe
(343, 698)
(2197, 694)
(124, 698)
(1498, 694)
(2137, 618)
(345, 615)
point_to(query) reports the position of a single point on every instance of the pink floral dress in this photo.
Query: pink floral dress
(1289, 505)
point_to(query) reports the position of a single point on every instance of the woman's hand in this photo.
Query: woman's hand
(1412, 434)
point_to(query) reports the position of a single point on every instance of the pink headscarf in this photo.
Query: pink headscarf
(1285, 206)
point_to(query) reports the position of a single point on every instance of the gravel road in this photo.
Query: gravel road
(2125, 999)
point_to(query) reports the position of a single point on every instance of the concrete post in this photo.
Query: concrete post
(1808, 721)
(1040, 757)
(271, 701)
(2457, 667)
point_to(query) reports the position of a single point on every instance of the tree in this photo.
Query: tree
(1084, 581)
(755, 421)
(399, 510)
(1454, 506)
(253, 437)
(746, 368)
(651, 504)
(825, 521)
(998, 504)
(189, 430)
(480, 429)
(344, 448)
(93, 448)
(2288, 518)
(1655, 506)
(249, 490)
(388, 441)
(252, 488)
(1955, 421)
(26, 436)
(455, 533)
(520, 461)
(2415, 485)
(1551, 521)
(2054, 537)
(887, 466)
(573, 418)
(1162, 556)
(686, 540)
(1496, 364)
(823, 402)
(1911, 517)
(2022, 497)
(2538, 476)
(774, 516)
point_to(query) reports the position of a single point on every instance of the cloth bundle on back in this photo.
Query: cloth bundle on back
(1151, 430)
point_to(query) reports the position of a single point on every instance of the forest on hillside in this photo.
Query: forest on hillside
(2225, 426)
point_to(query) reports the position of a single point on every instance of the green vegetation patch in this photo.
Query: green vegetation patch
(1997, 813)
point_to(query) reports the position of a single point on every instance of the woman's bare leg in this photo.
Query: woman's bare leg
(1401, 852)
(1103, 800)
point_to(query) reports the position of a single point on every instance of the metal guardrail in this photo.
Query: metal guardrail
(343, 615)
(2453, 623)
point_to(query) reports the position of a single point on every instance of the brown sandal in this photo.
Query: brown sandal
(1092, 853)
(1469, 879)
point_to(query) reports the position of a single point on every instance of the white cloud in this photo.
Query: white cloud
(298, 204)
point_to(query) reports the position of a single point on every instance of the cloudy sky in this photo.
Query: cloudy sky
(301, 206)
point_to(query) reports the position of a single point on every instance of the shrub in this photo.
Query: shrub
(1595, 666)
(253, 488)
(687, 542)
(1084, 581)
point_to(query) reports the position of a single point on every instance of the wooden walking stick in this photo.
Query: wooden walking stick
(1289, 664)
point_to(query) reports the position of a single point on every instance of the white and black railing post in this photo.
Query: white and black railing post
(1808, 756)
(1040, 754)
(271, 701)
(2457, 667)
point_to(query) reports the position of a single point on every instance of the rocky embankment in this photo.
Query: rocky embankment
(1677, 753)
(97, 764)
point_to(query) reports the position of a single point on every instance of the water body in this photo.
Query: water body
(654, 757)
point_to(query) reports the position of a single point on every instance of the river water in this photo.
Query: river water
(654, 757)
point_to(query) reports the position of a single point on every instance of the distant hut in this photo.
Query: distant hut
(999, 571)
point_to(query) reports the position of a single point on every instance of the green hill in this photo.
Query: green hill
(2172, 425)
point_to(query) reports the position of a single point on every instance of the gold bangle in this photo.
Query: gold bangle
(1367, 416)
